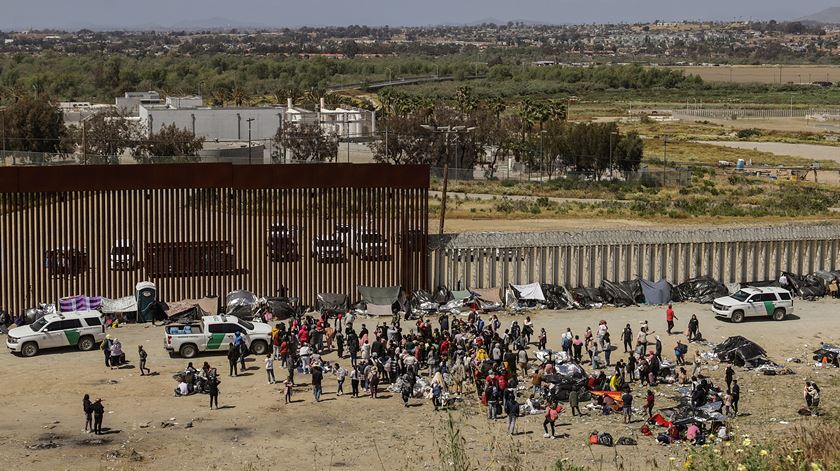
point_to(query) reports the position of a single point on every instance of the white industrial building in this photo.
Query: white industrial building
(129, 104)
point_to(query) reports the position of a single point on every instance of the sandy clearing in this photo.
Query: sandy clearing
(808, 151)
(43, 396)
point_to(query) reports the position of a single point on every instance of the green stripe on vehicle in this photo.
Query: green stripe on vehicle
(215, 341)
(769, 306)
(72, 337)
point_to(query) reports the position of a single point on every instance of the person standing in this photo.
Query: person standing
(607, 347)
(354, 382)
(627, 338)
(693, 328)
(574, 402)
(213, 390)
(542, 339)
(627, 399)
(87, 407)
(512, 411)
(98, 413)
(577, 347)
(551, 414)
(649, 400)
(736, 396)
(340, 375)
(729, 375)
(233, 357)
(814, 394)
(143, 355)
(243, 352)
(269, 368)
(317, 377)
(373, 383)
(658, 348)
(288, 393)
(669, 318)
(106, 349)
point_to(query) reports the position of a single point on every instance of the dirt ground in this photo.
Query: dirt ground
(764, 73)
(42, 420)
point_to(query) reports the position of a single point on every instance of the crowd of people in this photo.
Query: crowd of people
(454, 357)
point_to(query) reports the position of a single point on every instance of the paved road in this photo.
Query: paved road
(553, 199)
(398, 82)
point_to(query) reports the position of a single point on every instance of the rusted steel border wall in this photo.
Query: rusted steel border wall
(211, 228)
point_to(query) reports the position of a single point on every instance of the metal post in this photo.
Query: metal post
(347, 132)
(445, 184)
(665, 165)
(250, 120)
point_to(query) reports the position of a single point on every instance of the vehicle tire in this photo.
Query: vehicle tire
(188, 350)
(779, 314)
(738, 316)
(259, 347)
(29, 349)
(86, 343)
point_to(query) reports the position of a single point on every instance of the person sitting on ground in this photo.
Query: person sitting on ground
(183, 388)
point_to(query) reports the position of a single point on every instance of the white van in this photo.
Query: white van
(775, 303)
(82, 328)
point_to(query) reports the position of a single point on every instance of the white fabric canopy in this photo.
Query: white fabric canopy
(126, 304)
(379, 310)
(532, 291)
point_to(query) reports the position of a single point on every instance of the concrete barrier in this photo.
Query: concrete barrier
(585, 258)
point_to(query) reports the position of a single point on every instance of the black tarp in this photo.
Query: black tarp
(587, 297)
(703, 289)
(333, 303)
(282, 308)
(656, 292)
(828, 351)
(555, 296)
(741, 351)
(808, 287)
(621, 294)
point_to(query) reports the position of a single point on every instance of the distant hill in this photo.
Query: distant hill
(827, 16)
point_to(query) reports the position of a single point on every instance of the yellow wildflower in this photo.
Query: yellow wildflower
(747, 442)
(763, 452)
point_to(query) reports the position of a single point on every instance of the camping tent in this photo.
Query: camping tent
(488, 299)
(530, 292)
(656, 292)
(741, 351)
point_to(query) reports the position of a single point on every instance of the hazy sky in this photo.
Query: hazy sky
(23, 14)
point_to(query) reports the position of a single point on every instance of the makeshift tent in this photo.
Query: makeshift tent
(423, 301)
(442, 295)
(240, 303)
(656, 292)
(703, 289)
(462, 295)
(620, 294)
(182, 312)
(208, 304)
(488, 299)
(530, 292)
(587, 298)
(79, 303)
(808, 287)
(828, 353)
(556, 297)
(332, 303)
(392, 297)
(119, 305)
(282, 308)
(741, 352)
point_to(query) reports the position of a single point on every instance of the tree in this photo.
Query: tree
(106, 135)
(169, 144)
(629, 152)
(35, 124)
(307, 143)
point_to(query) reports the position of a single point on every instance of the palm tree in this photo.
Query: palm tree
(239, 96)
(219, 96)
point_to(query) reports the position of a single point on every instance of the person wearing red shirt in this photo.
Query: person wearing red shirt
(669, 318)
(551, 414)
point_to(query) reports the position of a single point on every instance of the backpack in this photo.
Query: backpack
(605, 439)
(626, 441)
(593, 438)
(683, 349)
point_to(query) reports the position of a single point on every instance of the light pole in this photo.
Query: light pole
(614, 133)
(389, 73)
(250, 120)
(665, 163)
(446, 131)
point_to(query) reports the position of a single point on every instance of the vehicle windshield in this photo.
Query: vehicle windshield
(39, 324)
(372, 238)
(246, 324)
(741, 296)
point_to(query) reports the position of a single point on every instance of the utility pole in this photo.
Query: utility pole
(446, 131)
(665, 164)
(347, 133)
(611, 152)
(3, 126)
(84, 142)
(250, 120)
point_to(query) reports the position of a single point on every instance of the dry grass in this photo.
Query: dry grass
(768, 74)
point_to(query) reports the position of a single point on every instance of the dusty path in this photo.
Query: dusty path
(42, 405)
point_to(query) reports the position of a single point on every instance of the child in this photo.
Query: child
(727, 402)
(288, 395)
(269, 368)
(142, 354)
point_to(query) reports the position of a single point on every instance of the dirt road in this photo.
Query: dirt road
(42, 420)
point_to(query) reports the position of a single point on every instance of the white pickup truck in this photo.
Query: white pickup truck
(215, 333)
